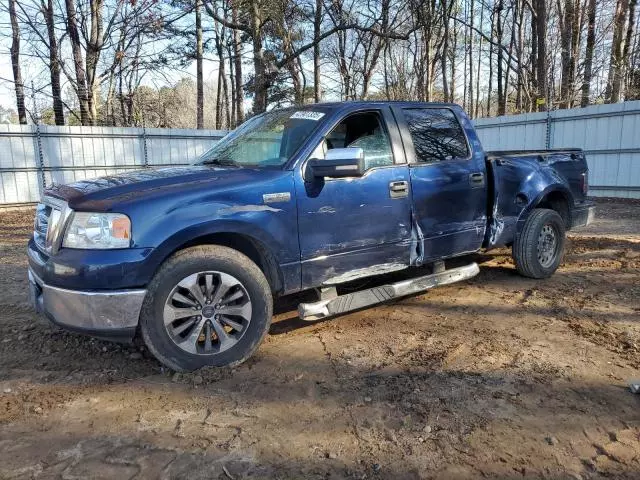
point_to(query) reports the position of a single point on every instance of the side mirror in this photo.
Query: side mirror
(338, 163)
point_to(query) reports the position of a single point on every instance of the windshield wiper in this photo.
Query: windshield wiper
(223, 162)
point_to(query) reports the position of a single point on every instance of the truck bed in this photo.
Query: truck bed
(514, 185)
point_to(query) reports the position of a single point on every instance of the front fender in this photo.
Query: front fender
(251, 230)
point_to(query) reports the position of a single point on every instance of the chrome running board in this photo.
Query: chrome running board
(371, 296)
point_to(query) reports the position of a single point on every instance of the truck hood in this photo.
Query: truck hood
(110, 192)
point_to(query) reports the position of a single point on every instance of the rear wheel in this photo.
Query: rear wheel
(539, 248)
(206, 306)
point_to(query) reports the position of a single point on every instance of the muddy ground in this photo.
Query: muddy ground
(498, 377)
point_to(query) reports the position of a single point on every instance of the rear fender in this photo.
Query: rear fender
(517, 187)
(553, 191)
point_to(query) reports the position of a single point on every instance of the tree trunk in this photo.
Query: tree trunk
(629, 37)
(541, 67)
(317, 21)
(386, 59)
(237, 54)
(471, 22)
(566, 19)
(219, 100)
(452, 63)
(15, 64)
(520, 73)
(54, 66)
(465, 69)
(94, 48)
(225, 91)
(232, 83)
(588, 56)
(110, 116)
(534, 61)
(78, 62)
(490, 81)
(479, 64)
(616, 62)
(500, 61)
(428, 78)
(576, 38)
(507, 74)
(260, 83)
(199, 79)
(298, 94)
(445, 52)
(223, 118)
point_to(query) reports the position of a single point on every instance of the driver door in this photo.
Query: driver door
(357, 226)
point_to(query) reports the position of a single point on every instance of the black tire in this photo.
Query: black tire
(531, 260)
(193, 261)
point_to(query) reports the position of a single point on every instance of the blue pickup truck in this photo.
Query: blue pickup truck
(305, 198)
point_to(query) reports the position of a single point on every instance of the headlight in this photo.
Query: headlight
(98, 231)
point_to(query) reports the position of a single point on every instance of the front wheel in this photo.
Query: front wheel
(206, 306)
(539, 248)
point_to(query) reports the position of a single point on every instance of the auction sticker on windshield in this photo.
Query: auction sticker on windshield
(308, 115)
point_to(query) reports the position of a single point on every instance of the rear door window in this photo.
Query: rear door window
(436, 133)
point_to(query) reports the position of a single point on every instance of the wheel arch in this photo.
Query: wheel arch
(556, 198)
(256, 249)
(257, 252)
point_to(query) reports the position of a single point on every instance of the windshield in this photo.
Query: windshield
(267, 140)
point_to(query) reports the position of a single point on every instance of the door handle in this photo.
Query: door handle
(399, 189)
(476, 180)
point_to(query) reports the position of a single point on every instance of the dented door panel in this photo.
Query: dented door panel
(449, 196)
(359, 226)
(352, 227)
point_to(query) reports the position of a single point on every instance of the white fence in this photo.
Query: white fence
(34, 156)
(609, 134)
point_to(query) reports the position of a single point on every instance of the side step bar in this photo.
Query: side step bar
(364, 298)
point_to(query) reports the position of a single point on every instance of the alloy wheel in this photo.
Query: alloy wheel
(207, 313)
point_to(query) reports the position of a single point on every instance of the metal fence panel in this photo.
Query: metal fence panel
(29, 154)
(609, 134)
(32, 155)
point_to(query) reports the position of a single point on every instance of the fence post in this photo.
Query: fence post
(144, 144)
(548, 132)
(43, 179)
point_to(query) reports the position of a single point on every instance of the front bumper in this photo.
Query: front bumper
(110, 314)
(583, 215)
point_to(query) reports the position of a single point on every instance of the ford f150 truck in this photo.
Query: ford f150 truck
(294, 199)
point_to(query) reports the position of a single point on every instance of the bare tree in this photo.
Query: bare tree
(317, 28)
(541, 61)
(617, 60)
(237, 59)
(78, 62)
(54, 63)
(588, 59)
(199, 61)
(15, 63)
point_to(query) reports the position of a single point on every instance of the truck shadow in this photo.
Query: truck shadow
(491, 275)
(285, 308)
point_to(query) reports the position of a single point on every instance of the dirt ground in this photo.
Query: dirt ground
(498, 377)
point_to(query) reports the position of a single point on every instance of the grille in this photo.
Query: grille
(50, 217)
(41, 224)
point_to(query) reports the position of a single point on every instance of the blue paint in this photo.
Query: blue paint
(328, 230)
